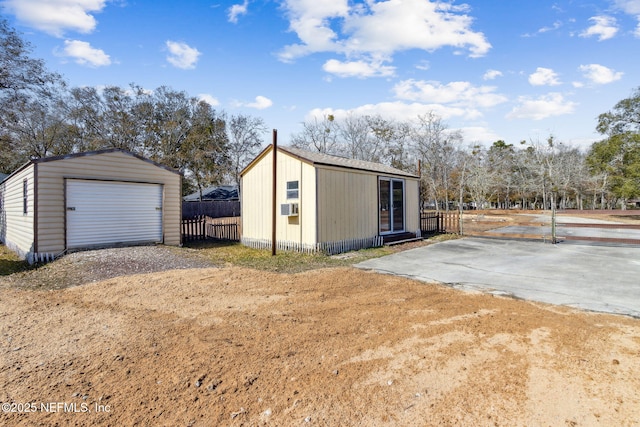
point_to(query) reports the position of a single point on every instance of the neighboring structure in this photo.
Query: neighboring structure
(95, 199)
(326, 203)
(633, 203)
(222, 192)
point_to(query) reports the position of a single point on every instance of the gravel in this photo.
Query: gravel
(79, 268)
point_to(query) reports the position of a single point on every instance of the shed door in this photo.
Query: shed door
(111, 212)
(391, 211)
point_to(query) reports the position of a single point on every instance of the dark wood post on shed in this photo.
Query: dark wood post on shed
(274, 191)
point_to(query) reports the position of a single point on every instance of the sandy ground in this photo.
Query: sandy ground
(337, 347)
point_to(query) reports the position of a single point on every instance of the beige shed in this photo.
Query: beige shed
(86, 200)
(326, 203)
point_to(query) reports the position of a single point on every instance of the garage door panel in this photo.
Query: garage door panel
(104, 212)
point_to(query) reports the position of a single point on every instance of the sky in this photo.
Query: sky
(509, 70)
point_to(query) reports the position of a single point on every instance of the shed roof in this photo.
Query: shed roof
(89, 153)
(322, 159)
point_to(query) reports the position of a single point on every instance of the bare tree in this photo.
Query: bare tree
(321, 136)
(436, 147)
(245, 140)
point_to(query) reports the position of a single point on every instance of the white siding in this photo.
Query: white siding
(347, 204)
(16, 227)
(412, 200)
(256, 200)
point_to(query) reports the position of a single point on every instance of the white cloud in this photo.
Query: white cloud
(455, 99)
(632, 7)
(552, 104)
(474, 134)
(556, 25)
(182, 55)
(56, 17)
(209, 99)
(423, 65)
(460, 94)
(357, 69)
(544, 77)
(260, 103)
(394, 110)
(379, 29)
(599, 74)
(84, 54)
(238, 10)
(603, 26)
(491, 74)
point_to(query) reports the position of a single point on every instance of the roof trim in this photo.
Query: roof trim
(257, 159)
(89, 153)
(104, 151)
(332, 161)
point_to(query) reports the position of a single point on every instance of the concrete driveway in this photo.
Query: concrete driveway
(597, 278)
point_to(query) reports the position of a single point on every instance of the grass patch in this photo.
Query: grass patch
(233, 253)
(10, 263)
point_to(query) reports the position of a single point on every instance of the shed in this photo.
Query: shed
(326, 203)
(86, 200)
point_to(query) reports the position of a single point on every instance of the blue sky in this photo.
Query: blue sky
(511, 70)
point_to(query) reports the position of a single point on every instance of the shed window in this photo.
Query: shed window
(25, 198)
(292, 190)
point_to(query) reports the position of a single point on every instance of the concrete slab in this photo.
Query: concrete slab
(597, 278)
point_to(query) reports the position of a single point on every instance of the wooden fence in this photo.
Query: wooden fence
(211, 208)
(439, 222)
(204, 227)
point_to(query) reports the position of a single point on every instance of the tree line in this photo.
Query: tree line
(41, 116)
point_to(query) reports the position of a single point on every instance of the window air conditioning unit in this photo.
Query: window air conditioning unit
(289, 209)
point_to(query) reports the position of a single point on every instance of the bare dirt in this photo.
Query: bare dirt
(332, 347)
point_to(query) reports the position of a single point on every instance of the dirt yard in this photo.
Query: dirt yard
(332, 347)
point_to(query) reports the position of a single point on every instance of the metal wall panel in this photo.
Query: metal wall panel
(112, 212)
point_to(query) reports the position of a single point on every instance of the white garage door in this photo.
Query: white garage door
(111, 212)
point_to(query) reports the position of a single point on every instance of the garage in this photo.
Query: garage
(110, 212)
(102, 198)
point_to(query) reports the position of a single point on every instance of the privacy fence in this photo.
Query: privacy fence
(204, 227)
(211, 208)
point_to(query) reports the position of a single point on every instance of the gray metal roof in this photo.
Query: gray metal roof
(88, 153)
(343, 162)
